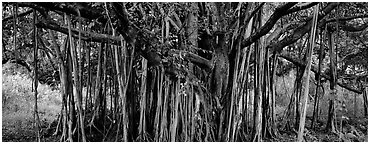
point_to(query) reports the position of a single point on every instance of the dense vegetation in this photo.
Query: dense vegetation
(186, 71)
(17, 105)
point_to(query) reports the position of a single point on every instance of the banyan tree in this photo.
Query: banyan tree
(201, 71)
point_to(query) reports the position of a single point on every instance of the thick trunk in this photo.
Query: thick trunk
(220, 79)
(330, 125)
(298, 95)
(273, 96)
(332, 97)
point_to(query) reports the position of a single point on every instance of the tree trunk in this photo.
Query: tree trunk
(159, 74)
(63, 80)
(76, 82)
(164, 129)
(174, 110)
(273, 95)
(70, 99)
(331, 114)
(89, 84)
(364, 95)
(143, 104)
(98, 85)
(192, 32)
(318, 79)
(123, 82)
(259, 74)
(355, 107)
(306, 77)
(35, 49)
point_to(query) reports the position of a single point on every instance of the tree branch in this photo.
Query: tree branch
(125, 27)
(302, 7)
(279, 12)
(300, 63)
(87, 36)
(346, 18)
(128, 30)
(72, 8)
(153, 58)
(19, 15)
(352, 28)
(194, 58)
(302, 30)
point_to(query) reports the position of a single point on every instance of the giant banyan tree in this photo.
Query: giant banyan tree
(146, 71)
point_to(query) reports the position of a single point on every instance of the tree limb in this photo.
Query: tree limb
(346, 18)
(279, 12)
(125, 27)
(302, 30)
(87, 36)
(72, 8)
(351, 28)
(19, 15)
(194, 58)
(300, 63)
(128, 30)
(302, 7)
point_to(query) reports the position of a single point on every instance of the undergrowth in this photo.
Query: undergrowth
(18, 106)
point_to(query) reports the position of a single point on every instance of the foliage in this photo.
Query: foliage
(18, 106)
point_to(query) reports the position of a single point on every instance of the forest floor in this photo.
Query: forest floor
(353, 131)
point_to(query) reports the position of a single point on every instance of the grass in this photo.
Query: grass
(18, 106)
